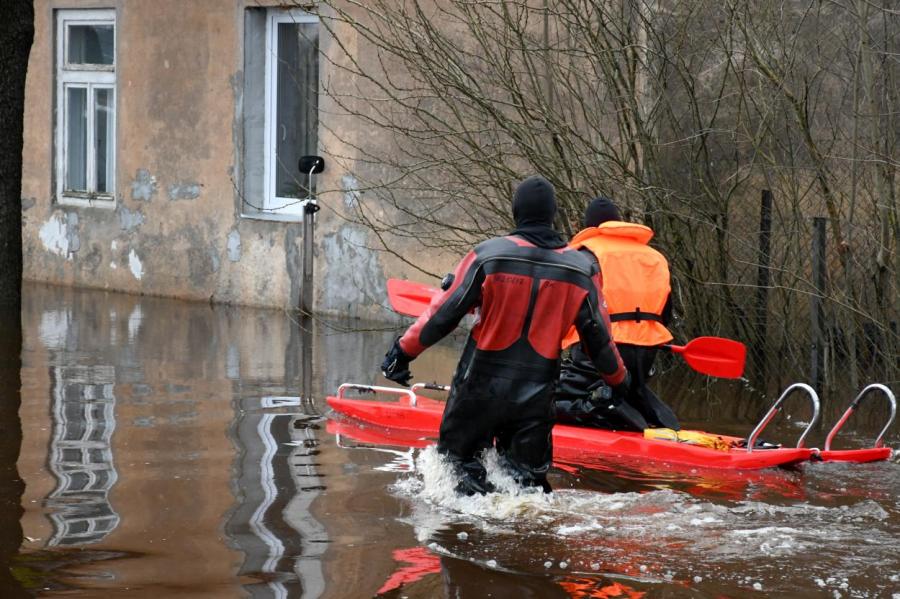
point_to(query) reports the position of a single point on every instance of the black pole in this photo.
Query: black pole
(309, 165)
(817, 312)
(306, 284)
(763, 281)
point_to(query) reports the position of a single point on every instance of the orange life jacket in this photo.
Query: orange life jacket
(635, 281)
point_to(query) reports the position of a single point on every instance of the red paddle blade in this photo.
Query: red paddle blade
(409, 298)
(714, 356)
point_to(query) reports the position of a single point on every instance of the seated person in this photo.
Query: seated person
(635, 284)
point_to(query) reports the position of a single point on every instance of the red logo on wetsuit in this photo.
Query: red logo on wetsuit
(511, 279)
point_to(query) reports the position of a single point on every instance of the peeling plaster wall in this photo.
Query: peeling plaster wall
(175, 228)
(355, 275)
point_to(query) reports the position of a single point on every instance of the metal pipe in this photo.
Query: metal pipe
(855, 404)
(376, 389)
(774, 410)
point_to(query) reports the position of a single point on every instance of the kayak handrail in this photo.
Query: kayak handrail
(774, 410)
(879, 440)
(430, 386)
(376, 389)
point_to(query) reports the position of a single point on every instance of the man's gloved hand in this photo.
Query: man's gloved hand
(611, 407)
(601, 393)
(395, 366)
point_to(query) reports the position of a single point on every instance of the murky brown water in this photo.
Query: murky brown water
(180, 450)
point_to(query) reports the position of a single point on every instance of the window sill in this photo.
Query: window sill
(79, 202)
(273, 217)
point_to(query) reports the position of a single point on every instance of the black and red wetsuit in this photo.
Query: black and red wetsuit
(528, 297)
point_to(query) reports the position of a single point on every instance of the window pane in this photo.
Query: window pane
(103, 132)
(76, 148)
(297, 104)
(91, 44)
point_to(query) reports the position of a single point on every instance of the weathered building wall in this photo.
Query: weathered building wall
(175, 228)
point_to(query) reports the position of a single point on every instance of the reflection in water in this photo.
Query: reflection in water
(80, 455)
(417, 563)
(276, 481)
(463, 578)
(11, 483)
(133, 410)
(188, 419)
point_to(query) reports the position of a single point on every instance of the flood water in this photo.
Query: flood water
(172, 449)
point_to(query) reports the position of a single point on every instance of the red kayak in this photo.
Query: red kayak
(413, 420)
(414, 417)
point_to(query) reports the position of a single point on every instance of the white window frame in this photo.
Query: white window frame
(91, 77)
(274, 205)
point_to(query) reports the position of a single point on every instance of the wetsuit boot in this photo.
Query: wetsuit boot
(523, 475)
(473, 479)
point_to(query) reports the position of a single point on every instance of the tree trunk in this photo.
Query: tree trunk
(16, 35)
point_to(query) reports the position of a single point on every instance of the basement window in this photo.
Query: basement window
(281, 109)
(85, 106)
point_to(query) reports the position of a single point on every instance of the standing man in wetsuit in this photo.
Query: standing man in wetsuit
(636, 285)
(530, 288)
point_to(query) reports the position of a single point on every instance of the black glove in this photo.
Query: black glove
(396, 364)
(610, 407)
(601, 392)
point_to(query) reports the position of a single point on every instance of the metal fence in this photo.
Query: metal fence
(808, 307)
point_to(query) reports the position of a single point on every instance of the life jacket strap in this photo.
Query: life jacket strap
(636, 316)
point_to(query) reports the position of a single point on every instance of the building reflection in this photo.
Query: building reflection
(140, 440)
(277, 479)
(80, 455)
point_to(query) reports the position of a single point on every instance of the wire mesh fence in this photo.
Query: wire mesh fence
(809, 308)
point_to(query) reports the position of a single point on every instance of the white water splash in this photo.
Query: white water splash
(435, 483)
(656, 536)
(585, 529)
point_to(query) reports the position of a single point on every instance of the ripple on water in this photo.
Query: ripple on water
(658, 535)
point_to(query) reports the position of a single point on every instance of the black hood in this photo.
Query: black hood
(534, 202)
(599, 211)
(534, 208)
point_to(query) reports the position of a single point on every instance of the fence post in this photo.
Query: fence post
(817, 312)
(763, 281)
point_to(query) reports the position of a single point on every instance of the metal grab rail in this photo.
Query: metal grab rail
(410, 393)
(430, 386)
(774, 410)
(855, 404)
(376, 389)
